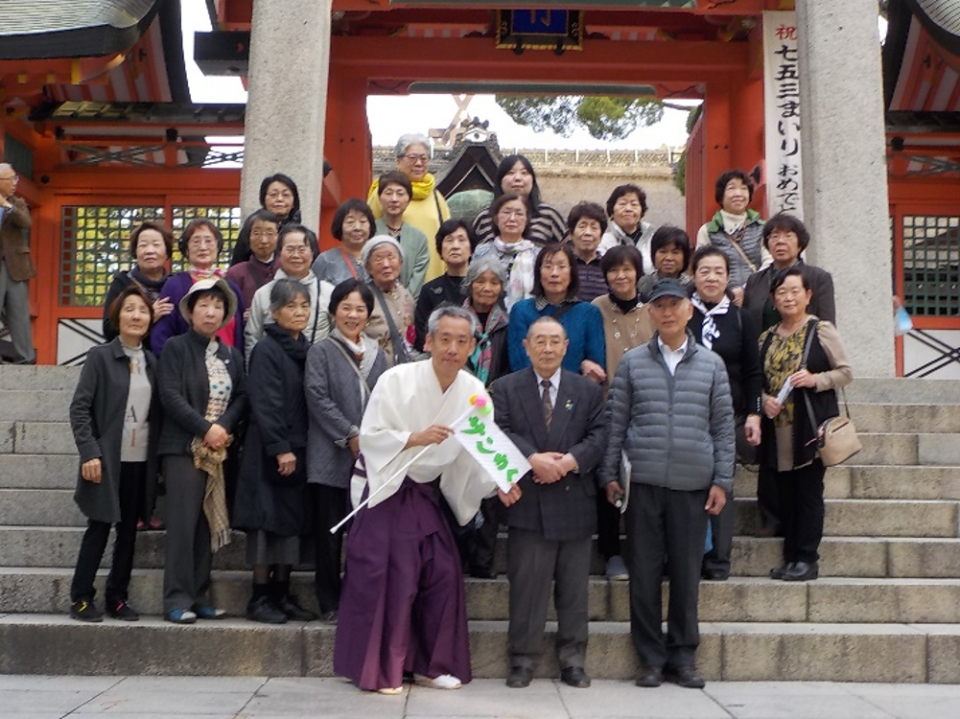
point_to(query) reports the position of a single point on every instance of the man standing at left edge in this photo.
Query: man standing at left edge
(16, 266)
(403, 606)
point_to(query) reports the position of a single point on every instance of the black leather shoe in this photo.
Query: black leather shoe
(575, 677)
(650, 677)
(802, 572)
(289, 606)
(685, 677)
(714, 575)
(520, 677)
(264, 611)
(778, 572)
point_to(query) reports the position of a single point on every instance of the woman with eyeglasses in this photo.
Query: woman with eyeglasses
(427, 208)
(200, 244)
(278, 195)
(516, 175)
(511, 219)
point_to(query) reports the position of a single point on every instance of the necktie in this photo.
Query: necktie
(547, 402)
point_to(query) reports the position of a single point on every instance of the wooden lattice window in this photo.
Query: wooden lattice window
(931, 265)
(94, 246)
(94, 243)
(225, 217)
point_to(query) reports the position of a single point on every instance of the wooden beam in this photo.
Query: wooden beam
(400, 59)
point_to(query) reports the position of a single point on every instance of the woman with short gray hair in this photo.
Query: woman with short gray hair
(427, 208)
(483, 287)
(271, 491)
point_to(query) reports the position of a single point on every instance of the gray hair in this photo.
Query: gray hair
(479, 265)
(545, 319)
(6, 166)
(411, 138)
(451, 311)
(285, 290)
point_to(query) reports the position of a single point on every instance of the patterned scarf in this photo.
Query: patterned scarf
(365, 353)
(482, 358)
(197, 274)
(519, 258)
(210, 461)
(710, 330)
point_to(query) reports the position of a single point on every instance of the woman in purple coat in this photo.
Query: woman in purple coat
(200, 245)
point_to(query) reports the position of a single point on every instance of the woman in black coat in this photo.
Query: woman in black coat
(203, 392)
(719, 325)
(271, 493)
(114, 416)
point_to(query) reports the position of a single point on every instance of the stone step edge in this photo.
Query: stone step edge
(901, 653)
(236, 575)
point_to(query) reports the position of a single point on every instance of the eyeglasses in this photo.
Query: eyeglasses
(295, 249)
(417, 159)
(512, 213)
(264, 233)
(11, 178)
(285, 194)
(196, 241)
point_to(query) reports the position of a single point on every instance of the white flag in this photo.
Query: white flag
(492, 449)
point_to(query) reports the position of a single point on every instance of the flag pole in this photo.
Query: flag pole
(400, 472)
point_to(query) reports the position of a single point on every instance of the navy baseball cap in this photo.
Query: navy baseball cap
(668, 288)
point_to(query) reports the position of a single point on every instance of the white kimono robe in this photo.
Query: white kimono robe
(408, 399)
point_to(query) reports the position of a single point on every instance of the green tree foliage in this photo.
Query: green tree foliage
(605, 118)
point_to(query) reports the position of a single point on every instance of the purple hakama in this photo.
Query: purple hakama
(403, 606)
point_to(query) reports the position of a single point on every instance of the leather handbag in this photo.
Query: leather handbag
(836, 437)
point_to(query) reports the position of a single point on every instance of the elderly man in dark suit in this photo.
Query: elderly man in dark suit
(556, 418)
(16, 266)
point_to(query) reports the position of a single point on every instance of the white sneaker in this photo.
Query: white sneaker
(617, 569)
(444, 681)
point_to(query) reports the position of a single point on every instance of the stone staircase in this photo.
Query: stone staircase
(887, 607)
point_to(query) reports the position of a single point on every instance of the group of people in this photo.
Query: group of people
(629, 366)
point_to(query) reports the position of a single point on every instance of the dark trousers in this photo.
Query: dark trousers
(608, 527)
(329, 508)
(482, 542)
(132, 477)
(768, 499)
(188, 559)
(721, 528)
(664, 523)
(533, 562)
(801, 511)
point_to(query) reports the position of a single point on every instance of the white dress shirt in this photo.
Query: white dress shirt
(672, 357)
(554, 386)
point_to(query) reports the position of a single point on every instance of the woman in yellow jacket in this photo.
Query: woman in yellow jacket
(427, 210)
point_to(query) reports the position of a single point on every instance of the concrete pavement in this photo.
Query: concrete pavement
(144, 697)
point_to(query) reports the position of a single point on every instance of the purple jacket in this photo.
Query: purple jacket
(174, 324)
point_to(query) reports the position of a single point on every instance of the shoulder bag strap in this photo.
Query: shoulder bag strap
(564, 308)
(811, 333)
(399, 351)
(436, 199)
(738, 248)
(353, 364)
(316, 315)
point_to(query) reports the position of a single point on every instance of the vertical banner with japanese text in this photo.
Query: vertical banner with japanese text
(781, 104)
(492, 449)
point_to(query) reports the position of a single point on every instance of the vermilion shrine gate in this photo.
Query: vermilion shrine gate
(97, 120)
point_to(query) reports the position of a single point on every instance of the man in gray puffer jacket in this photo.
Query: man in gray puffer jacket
(671, 415)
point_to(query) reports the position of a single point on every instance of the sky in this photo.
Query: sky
(391, 116)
